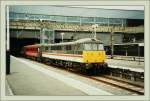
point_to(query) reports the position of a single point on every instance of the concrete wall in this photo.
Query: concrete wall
(105, 37)
(24, 33)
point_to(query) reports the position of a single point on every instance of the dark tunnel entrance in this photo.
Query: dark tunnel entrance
(22, 37)
(16, 44)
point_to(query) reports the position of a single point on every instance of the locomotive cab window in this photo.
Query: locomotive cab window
(93, 46)
(87, 46)
(100, 46)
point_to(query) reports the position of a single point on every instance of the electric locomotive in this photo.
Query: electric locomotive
(83, 54)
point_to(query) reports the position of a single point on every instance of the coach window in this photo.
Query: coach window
(52, 48)
(46, 48)
(77, 47)
(57, 47)
(81, 47)
(68, 47)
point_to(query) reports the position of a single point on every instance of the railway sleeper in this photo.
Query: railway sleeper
(126, 74)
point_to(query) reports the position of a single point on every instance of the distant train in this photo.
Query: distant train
(83, 55)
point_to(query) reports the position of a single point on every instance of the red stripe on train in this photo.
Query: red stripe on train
(69, 55)
(35, 54)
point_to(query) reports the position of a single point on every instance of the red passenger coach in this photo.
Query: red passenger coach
(31, 50)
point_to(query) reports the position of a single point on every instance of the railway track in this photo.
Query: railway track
(118, 83)
(138, 84)
(125, 85)
(137, 89)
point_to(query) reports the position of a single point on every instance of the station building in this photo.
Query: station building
(45, 24)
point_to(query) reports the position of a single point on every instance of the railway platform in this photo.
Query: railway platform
(8, 89)
(27, 78)
(129, 58)
(137, 66)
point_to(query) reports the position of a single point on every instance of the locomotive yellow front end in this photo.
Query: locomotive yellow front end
(94, 56)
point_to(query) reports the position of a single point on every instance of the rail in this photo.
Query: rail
(135, 88)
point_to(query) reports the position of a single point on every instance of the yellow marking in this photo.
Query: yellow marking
(93, 56)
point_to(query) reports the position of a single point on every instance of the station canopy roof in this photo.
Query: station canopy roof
(79, 11)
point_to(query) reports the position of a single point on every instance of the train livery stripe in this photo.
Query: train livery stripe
(63, 57)
(70, 55)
